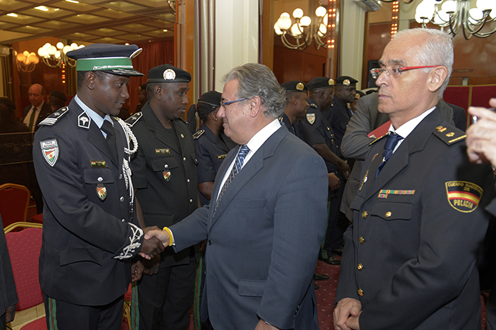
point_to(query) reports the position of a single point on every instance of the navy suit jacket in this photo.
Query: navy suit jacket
(264, 237)
(45, 111)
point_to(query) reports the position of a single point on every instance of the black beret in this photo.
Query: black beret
(346, 81)
(7, 102)
(59, 95)
(320, 82)
(212, 98)
(295, 86)
(166, 73)
(114, 59)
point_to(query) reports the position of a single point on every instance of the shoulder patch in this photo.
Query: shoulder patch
(311, 118)
(449, 134)
(54, 117)
(134, 119)
(198, 133)
(379, 138)
(50, 150)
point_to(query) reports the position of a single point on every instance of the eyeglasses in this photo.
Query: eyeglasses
(397, 72)
(224, 104)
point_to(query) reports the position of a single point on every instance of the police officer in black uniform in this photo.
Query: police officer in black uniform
(296, 106)
(212, 145)
(90, 234)
(339, 113)
(166, 182)
(319, 135)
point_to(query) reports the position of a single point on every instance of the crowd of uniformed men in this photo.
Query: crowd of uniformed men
(132, 200)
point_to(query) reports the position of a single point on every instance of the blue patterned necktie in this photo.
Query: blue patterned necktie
(238, 164)
(391, 142)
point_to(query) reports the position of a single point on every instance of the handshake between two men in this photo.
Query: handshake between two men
(155, 242)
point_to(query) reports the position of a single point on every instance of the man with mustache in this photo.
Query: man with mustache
(165, 178)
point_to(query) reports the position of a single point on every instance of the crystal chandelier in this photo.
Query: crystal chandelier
(455, 15)
(55, 56)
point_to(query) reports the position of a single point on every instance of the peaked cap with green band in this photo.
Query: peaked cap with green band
(114, 59)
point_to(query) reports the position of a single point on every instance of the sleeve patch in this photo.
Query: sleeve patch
(463, 196)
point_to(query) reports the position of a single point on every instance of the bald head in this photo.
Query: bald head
(36, 94)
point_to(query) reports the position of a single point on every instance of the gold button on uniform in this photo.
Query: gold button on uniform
(361, 240)
(360, 292)
(388, 214)
(364, 214)
(359, 266)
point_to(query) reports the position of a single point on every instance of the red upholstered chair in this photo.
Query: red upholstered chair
(24, 250)
(14, 202)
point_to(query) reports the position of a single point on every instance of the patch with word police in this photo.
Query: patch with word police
(50, 151)
(384, 193)
(311, 118)
(463, 196)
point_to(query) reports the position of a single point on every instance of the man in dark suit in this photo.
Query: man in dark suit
(38, 110)
(90, 234)
(165, 179)
(261, 247)
(8, 294)
(419, 217)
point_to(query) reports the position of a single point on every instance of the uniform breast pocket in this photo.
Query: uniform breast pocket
(392, 211)
(98, 175)
(163, 163)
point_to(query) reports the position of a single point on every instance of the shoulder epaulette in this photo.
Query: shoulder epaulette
(313, 105)
(379, 138)
(449, 134)
(198, 133)
(54, 117)
(134, 119)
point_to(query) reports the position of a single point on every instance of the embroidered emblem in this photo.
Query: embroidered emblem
(84, 120)
(331, 82)
(441, 129)
(167, 175)
(300, 86)
(385, 192)
(98, 163)
(169, 74)
(311, 118)
(346, 82)
(451, 134)
(50, 151)
(364, 180)
(101, 191)
(463, 196)
(162, 151)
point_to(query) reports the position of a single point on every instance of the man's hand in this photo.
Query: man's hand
(344, 168)
(481, 136)
(10, 313)
(261, 325)
(151, 266)
(147, 229)
(151, 247)
(162, 235)
(353, 322)
(345, 309)
(334, 181)
(137, 270)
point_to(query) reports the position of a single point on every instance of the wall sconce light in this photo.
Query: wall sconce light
(26, 61)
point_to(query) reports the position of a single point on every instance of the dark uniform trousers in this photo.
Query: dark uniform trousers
(165, 179)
